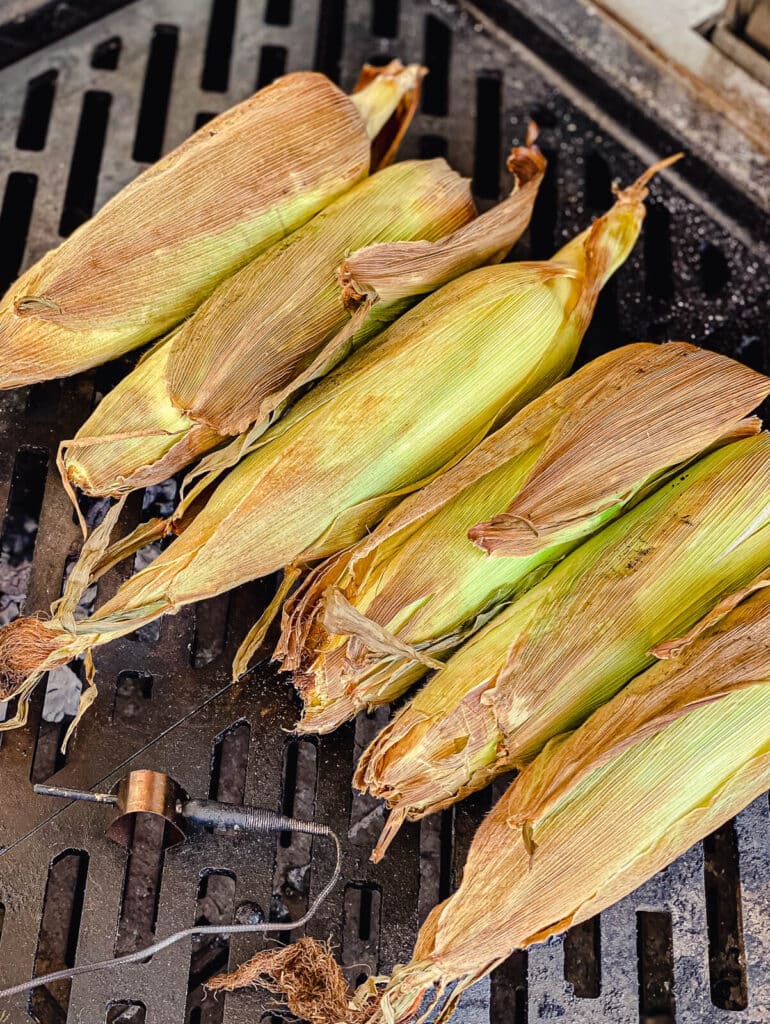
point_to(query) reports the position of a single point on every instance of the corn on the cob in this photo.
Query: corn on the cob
(679, 751)
(160, 246)
(280, 322)
(403, 408)
(366, 624)
(558, 652)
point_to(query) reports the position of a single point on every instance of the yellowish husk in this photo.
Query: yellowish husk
(280, 322)
(369, 622)
(564, 648)
(679, 751)
(160, 246)
(403, 408)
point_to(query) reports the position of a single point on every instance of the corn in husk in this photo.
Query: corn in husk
(369, 622)
(159, 247)
(280, 322)
(564, 648)
(400, 410)
(679, 751)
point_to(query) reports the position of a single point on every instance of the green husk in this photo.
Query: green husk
(564, 648)
(282, 321)
(674, 755)
(403, 408)
(371, 621)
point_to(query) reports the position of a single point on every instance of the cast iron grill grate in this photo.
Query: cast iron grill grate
(80, 117)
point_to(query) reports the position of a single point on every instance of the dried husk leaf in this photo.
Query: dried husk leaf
(416, 580)
(564, 648)
(673, 756)
(396, 271)
(403, 408)
(160, 246)
(691, 397)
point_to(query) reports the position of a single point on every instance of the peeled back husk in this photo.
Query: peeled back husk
(564, 648)
(280, 322)
(368, 623)
(674, 755)
(403, 408)
(162, 244)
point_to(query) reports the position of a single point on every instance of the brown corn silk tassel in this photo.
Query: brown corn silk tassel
(369, 622)
(161, 245)
(309, 978)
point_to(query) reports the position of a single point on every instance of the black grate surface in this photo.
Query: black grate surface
(79, 118)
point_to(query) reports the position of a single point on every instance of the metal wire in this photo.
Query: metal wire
(309, 828)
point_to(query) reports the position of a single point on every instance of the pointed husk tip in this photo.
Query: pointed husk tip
(636, 192)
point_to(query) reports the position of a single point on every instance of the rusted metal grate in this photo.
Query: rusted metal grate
(79, 118)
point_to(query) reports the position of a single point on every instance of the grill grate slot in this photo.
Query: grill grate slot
(15, 215)
(151, 126)
(141, 885)
(385, 15)
(542, 227)
(272, 64)
(435, 88)
(582, 958)
(86, 161)
(727, 958)
(330, 32)
(106, 55)
(219, 46)
(20, 530)
(486, 165)
(278, 12)
(36, 115)
(126, 1013)
(58, 936)
(656, 968)
(210, 953)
